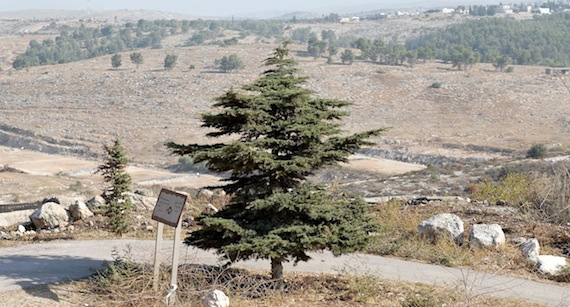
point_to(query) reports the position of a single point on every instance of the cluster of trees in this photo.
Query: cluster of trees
(375, 50)
(502, 40)
(87, 42)
(83, 42)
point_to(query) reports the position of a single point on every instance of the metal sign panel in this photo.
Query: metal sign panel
(169, 206)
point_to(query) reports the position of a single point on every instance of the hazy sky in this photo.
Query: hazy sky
(201, 7)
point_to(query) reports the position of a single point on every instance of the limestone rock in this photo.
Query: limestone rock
(486, 235)
(141, 202)
(446, 224)
(95, 203)
(531, 250)
(5, 236)
(216, 298)
(548, 264)
(519, 240)
(205, 194)
(80, 211)
(49, 215)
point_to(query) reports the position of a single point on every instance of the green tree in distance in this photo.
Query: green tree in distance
(170, 61)
(229, 63)
(114, 173)
(347, 57)
(501, 62)
(137, 58)
(116, 61)
(282, 135)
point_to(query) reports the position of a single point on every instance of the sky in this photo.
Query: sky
(206, 7)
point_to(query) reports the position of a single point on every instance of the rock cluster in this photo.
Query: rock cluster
(489, 236)
(58, 213)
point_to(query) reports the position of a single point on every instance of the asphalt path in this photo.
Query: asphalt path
(55, 262)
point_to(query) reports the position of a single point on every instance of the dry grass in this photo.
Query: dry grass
(124, 283)
(399, 237)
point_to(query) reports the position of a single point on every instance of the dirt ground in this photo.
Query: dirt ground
(46, 173)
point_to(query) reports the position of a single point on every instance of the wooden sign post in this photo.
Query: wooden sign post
(168, 210)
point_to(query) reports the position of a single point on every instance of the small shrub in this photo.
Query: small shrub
(361, 289)
(420, 300)
(435, 85)
(537, 151)
(515, 189)
(510, 69)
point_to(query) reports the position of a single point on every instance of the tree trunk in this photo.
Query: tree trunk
(277, 273)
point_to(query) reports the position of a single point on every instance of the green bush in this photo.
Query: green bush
(435, 85)
(537, 151)
(515, 189)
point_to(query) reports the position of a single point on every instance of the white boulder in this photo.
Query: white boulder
(50, 215)
(548, 264)
(80, 211)
(445, 223)
(141, 202)
(215, 298)
(95, 203)
(486, 235)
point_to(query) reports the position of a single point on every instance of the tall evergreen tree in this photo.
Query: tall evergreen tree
(283, 135)
(114, 173)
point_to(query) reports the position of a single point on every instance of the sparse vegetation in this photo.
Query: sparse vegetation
(537, 151)
(115, 284)
(435, 85)
(229, 63)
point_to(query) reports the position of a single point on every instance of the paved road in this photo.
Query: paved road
(29, 265)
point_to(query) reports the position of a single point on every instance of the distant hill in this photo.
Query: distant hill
(120, 15)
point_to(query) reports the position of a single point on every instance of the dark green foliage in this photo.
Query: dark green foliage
(347, 57)
(114, 173)
(170, 61)
(285, 226)
(537, 151)
(186, 164)
(116, 60)
(75, 44)
(435, 85)
(136, 58)
(316, 47)
(502, 62)
(229, 63)
(301, 35)
(540, 41)
(283, 135)
(462, 57)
